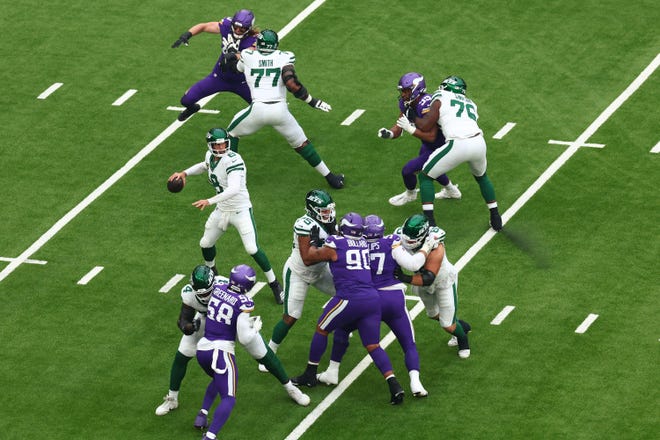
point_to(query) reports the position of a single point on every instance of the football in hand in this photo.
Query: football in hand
(175, 185)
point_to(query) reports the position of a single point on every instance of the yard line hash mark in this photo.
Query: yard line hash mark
(502, 315)
(586, 323)
(504, 130)
(125, 97)
(91, 274)
(28, 261)
(356, 114)
(552, 141)
(656, 149)
(151, 146)
(171, 283)
(311, 418)
(46, 93)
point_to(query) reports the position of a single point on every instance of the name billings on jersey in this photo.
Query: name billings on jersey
(265, 63)
(227, 297)
(357, 243)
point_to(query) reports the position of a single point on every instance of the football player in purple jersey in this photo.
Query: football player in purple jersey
(356, 304)
(414, 104)
(227, 320)
(237, 33)
(394, 312)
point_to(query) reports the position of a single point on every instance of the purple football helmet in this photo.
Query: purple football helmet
(415, 82)
(374, 227)
(351, 225)
(242, 278)
(243, 21)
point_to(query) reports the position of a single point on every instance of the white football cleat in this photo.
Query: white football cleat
(328, 377)
(445, 193)
(403, 198)
(169, 404)
(263, 368)
(417, 389)
(298, 396)
(464, 354)
(453, 342)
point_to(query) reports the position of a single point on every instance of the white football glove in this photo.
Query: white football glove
(404, 123)
(385, 133)
(429, 244)
(321, 105)
(256, 323)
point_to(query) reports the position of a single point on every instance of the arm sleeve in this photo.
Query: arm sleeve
(196, 169)
(409, 262)
(233, 188)
(244, 329)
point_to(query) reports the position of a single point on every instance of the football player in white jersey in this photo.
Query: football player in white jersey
(227, 173)
(456, 115)
(270, 73)
(298, 273)
(192, 318)
(435, 279)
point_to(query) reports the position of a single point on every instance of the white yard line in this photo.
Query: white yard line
(151, 146)
(656, 149)
(502, 315)
(353, 117)
(504, 130)
(46, 93)
(125, 97)
(586, 323)
(171, 283)
(490, 233)
(91, 274)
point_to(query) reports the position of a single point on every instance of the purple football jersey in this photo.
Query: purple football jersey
(351, 272)
(229, 42)
(224, 308)
(382, 263)
(419, 110)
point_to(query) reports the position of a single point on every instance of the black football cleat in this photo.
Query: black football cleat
(277, 291)
(396, 391)
(306, 379)
(188, 112)
(495, 219)
(335, 180)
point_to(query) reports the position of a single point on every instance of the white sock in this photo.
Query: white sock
(334, 366)
(173, 394)
(414, 375)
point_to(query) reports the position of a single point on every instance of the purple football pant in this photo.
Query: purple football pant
(395, 315)
(214, 84)
(362, 315)
(413, 166)
(221, 366)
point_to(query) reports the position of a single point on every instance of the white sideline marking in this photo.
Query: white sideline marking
(171, 283)
(46, 93)
(656, 149)
(552, 141)
(490, 233)
(502, 315)
(412, 298)
(504, 130)
(586, 323)
(299, 18)
(57, 227)
(28, 261)
(203, 110)
(125, 97)
(255, 289)
(91, 274)
(356, 114)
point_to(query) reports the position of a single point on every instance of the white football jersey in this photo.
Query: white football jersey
(458, 115)
(263, 72)
(231, 162)
(189, 298)
(302, 227)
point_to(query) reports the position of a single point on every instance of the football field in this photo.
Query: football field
(94, 250)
